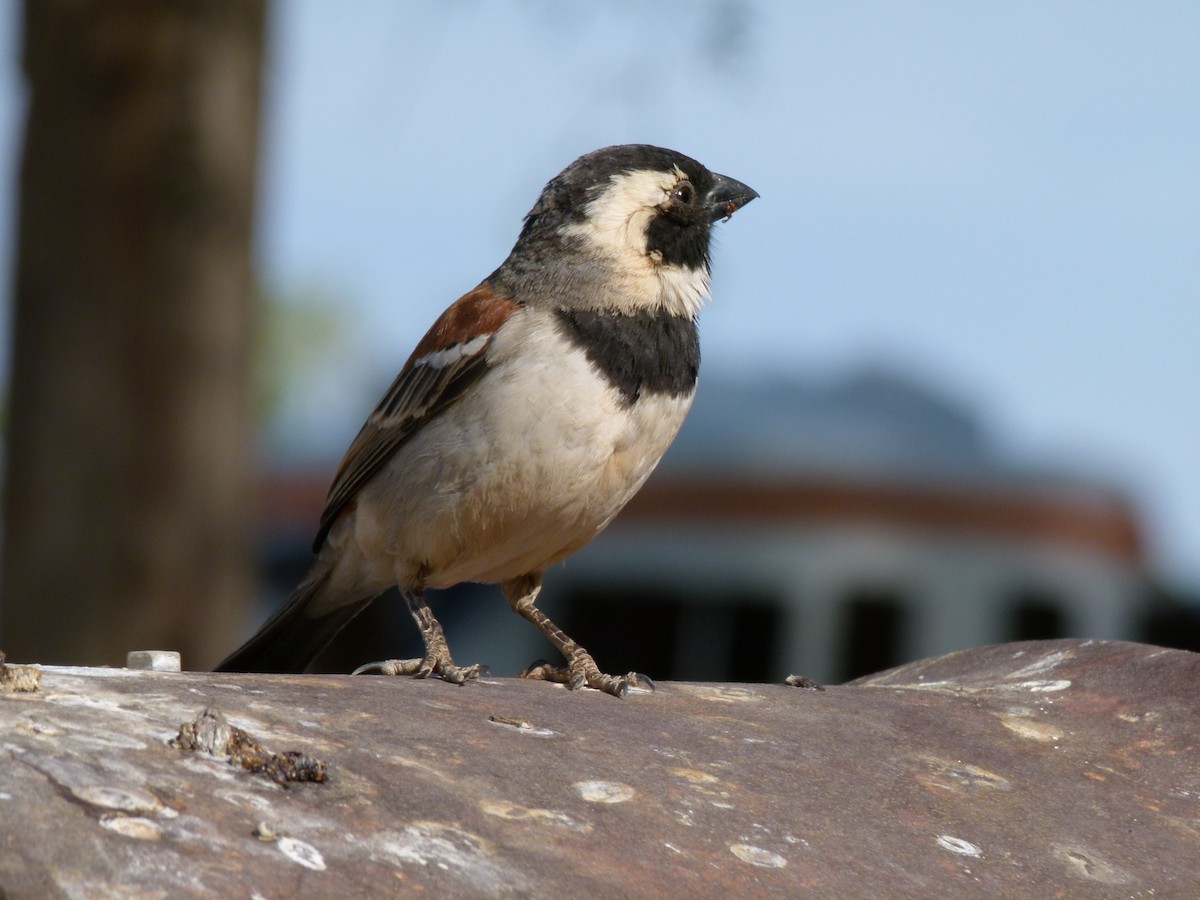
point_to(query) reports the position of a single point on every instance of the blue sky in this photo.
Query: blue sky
(1002, 198)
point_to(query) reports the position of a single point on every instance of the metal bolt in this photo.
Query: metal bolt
(153, 660)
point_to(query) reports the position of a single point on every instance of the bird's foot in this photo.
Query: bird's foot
(437, 661)
(582, 671)
(433, 665)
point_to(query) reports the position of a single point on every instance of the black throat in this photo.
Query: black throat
(650, 352)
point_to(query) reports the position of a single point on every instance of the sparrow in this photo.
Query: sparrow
(525, 419)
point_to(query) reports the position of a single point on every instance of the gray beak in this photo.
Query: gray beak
(727, 196)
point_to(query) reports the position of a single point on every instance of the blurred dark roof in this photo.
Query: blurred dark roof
(872, 422)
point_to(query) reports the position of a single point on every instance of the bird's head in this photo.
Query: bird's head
(625, 228)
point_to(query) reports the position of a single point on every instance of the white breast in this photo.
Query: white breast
(521, 472)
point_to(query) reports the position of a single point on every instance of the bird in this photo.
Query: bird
(527, 416)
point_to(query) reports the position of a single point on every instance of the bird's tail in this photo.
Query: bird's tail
(293, 637)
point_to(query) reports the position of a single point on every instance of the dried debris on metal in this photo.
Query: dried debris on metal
(803, 682)
(209, 733)
(18, 679)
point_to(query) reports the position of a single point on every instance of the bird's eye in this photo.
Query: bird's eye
(684, 193)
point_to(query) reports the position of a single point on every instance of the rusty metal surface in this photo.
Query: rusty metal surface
(1060, 768)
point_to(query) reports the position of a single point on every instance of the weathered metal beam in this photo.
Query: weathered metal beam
(1054, 768)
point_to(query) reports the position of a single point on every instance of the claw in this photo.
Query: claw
(582, 672)
(538, 670)
(645, 682)
(429, 667)
(383, 667)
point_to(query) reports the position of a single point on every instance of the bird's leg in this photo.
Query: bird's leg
(437, 659)
(580, 669)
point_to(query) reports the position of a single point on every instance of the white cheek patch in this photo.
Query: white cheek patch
(616, 225)
(617, 219)
(448, 356)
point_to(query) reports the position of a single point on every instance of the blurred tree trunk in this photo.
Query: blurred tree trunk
(128, 488)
